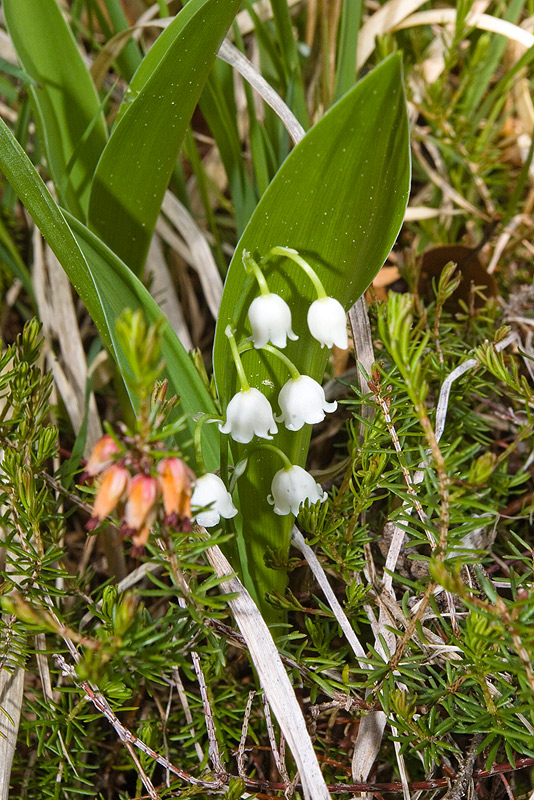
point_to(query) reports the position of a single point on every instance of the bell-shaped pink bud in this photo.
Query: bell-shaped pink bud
(175, 479)
(142, 496)
(101, 457)
(113, 487)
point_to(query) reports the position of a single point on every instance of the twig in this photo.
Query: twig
(213, 745)
(125, 736)
(383, 403)
(507, 787)
(319, 574)
(465, 773)
(244, 730)
(187, 711)
(280, 766)
(147, 783)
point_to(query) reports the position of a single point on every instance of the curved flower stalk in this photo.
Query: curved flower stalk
(249, 412)
(301, 400)
(269, 314)
(327, 320)
(291, 487)
(211, 500)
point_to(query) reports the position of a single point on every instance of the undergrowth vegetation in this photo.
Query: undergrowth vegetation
(132, 662)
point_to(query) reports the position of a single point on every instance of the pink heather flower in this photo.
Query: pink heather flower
(140, 537)
(175, 481)
(142, 495)
(113, 486)
(101, 458)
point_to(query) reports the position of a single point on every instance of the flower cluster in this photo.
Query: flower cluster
(143, 488)
(130, 484)
(301, 399)
(270, 316)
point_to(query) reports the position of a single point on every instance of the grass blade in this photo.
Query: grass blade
(65, 101)
(147, 136)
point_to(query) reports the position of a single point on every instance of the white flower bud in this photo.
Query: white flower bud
(270, 320)
(249, 413)
(327, 322)
(291, 487)
(302, 400)
(211, 494)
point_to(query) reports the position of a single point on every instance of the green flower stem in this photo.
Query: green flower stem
(287, 463)
(253, 268)
(293, 371)
(237, 359)
(197, 441)
(288, 252)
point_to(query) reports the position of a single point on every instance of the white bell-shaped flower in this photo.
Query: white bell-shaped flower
(270, 320)
(211, 495)
(302, 400)
(291, 487)
(327, 322)
(249, 413)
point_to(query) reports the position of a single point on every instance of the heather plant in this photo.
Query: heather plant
(248, 548)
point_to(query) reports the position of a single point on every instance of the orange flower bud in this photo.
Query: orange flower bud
(114, 484)
(140, 538)
(175, 480)
(142, 495)
(101, 458)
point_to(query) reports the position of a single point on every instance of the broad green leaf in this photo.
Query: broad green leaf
(339, 199)
(104, 283)
(136, 165)
(64, 99)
